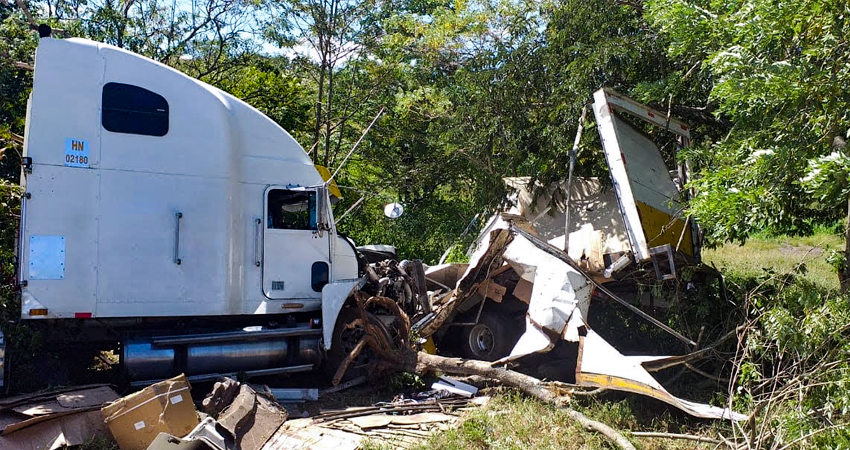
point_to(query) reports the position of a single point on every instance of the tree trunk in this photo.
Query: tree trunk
(329, 94)
(319, 99)
(844, 269)
(328, 117)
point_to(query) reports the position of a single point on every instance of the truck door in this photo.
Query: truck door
(296, 261)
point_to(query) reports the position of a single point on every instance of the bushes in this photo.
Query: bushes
(792, 366)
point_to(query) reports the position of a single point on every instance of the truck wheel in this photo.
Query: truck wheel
(343, 342)
(490, 339)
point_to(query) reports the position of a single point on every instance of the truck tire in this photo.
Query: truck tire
(342, 342)
(493, 337)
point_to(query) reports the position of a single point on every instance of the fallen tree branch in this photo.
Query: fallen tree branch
(426, 363)
(666, 363)
(686, 437)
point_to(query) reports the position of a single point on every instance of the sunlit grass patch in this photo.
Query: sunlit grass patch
(781, 254)
(513, 421)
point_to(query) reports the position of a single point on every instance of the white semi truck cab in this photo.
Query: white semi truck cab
(174, 220)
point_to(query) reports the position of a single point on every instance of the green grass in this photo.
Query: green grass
(512, 421)
(781, 254)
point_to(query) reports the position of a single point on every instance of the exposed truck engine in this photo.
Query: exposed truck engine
(173, 223)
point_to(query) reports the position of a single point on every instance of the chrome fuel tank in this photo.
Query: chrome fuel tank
(237, 356)
(153, 358)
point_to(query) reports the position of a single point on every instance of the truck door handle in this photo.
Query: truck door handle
(177, 259)
(257, 231)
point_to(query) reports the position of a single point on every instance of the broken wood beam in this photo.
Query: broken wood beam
(468, 285)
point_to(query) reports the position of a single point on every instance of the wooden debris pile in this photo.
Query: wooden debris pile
(402, 424)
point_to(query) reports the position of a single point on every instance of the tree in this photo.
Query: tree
(778, 72)
(330, 35)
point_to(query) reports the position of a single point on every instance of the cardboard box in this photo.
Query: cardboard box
(164, 407)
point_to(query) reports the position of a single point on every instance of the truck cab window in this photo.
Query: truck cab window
(291, 210)
(134, 110)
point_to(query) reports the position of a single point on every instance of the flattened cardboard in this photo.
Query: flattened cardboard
(52, 420)
(28, 410)
(67, 430)
(164, 407)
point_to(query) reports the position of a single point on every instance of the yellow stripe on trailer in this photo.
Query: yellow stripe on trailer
(661, 228)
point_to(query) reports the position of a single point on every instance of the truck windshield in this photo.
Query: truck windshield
(291, 210)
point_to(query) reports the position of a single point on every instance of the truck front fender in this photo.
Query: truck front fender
(334, 296)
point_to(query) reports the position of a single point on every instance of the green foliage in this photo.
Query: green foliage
(827, 179)
(776, 72)
(270, 85)
(405, 382)
(797, 358)
(10, 198)
(789, 363)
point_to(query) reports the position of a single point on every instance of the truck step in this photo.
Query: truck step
(231, 336)
(248, 373)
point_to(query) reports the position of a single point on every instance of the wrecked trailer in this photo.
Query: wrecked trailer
(630, 231)
(542, 261)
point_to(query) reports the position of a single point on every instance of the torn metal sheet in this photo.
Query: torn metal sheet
(649, 199)
(456, 387)
(558, 306)
(601, 365)
(558, 288)
(559, 291)
(291, 395)
(559, 254)
(596, 224)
